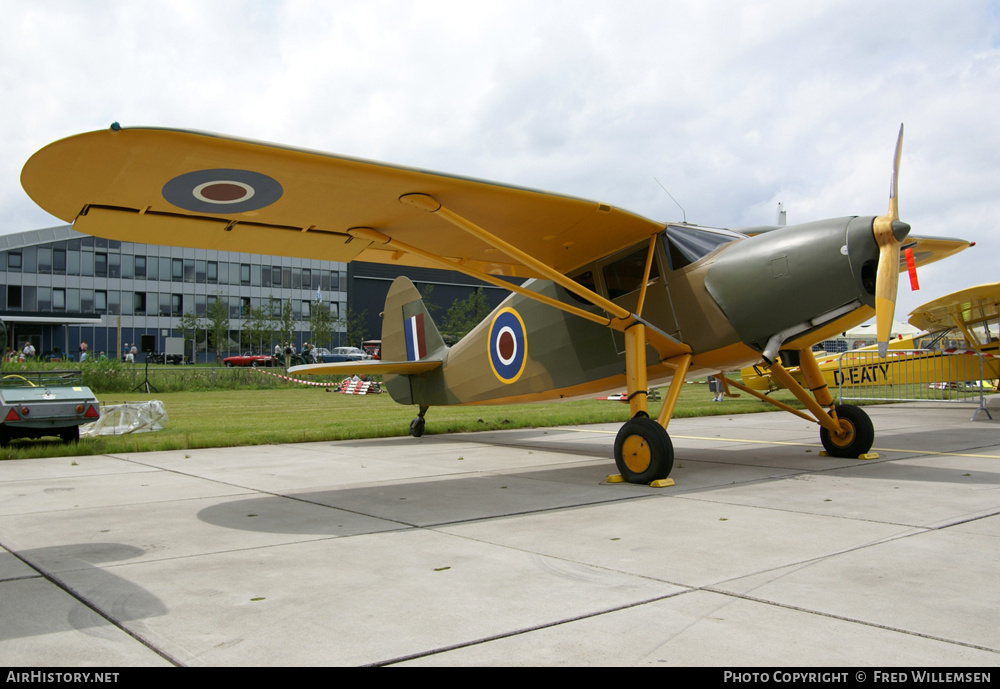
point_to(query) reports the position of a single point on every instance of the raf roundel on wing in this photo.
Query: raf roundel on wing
(508, 346)
(222, 191)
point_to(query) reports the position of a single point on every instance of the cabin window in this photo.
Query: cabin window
(625, 274)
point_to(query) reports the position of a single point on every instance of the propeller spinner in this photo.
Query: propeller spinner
(889, 232)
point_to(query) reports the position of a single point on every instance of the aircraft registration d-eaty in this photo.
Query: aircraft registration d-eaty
(610, 299)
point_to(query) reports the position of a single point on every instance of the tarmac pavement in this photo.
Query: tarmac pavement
(510, 548)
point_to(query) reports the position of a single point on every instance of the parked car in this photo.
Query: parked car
(249, 359)
(323, 355)
(373, 347)
(34, 404)
(161, 358)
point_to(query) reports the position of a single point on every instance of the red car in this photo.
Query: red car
(249, 360)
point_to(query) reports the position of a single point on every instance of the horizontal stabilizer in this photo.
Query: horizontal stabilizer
(370, 366)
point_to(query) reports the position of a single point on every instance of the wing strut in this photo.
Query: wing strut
(376, 237)
(432, 205)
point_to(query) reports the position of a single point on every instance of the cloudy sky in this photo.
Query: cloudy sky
(733, 106)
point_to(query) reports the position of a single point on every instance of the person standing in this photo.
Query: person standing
(715, 387)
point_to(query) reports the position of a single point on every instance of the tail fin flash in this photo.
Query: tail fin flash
(408, 331)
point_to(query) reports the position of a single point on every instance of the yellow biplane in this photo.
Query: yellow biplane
(609, 299)
(969, 318)
(971, 314)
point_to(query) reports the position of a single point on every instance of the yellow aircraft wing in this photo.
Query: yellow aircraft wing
(192, 189)
(930, 249)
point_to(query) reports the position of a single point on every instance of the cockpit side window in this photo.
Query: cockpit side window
(685, 244)
(625, 274)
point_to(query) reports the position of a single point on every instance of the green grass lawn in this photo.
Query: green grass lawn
(293, 414)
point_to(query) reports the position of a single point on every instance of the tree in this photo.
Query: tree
(218, 323)
(353, 324)
(188, 326)
(286, 322)
(257, 328)
(426, 295)
(321, 323)
(464, 315)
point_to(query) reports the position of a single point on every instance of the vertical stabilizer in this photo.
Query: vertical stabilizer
(408, 334)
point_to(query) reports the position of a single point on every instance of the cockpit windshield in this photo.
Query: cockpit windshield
(685, 244)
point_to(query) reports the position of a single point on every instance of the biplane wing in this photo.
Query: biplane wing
(972, 305)
(975, 312)
(183, 188)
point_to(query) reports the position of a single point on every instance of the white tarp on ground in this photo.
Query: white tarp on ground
(118, 419)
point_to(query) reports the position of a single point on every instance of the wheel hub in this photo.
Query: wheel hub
(636, 453)
(846, 435)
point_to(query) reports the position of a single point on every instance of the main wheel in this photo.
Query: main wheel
(70, 435)
(643, 451)
(859, 433)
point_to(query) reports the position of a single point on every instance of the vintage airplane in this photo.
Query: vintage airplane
(611, 299)
(972, 315)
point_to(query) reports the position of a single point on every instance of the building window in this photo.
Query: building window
(244, 273)
(13, 296)
(213, 272)
(176, 305)
(58, 299)
(44, 297)
(14, 263)
(44, 259)
(139, 303)
(59, 261)
(100, 265)
(177, 270)
(100, 301)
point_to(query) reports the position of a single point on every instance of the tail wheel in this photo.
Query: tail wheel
(858, 433)
(643, 451)
(417, 426)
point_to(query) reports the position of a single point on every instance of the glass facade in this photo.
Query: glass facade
(59, 288)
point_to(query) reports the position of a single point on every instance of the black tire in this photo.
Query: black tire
(4, 436)
(229, 364)
(417, 427)
(70, 435)
(643, 451)
(860, 433)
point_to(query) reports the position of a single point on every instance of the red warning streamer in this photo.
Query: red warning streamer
(911, 267)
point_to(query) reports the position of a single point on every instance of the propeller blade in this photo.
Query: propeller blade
(889, 235)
